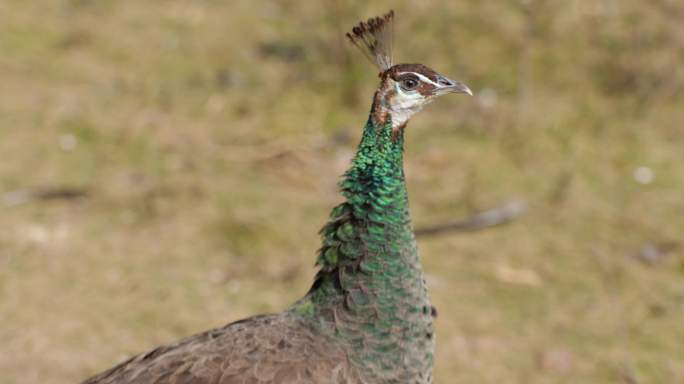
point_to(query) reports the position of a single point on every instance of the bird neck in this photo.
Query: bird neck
(369, 267)
(372, 227)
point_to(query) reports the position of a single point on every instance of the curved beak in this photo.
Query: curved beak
(446, 85)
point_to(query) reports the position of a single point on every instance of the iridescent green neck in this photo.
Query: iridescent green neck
(372, 227)
(370, 292)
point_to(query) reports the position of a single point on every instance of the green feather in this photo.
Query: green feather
(370, 293)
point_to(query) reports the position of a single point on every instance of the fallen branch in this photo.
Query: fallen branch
(485, 219)
(23, 196)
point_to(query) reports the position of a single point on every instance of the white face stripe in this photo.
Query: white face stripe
(406, 103)
(423, 78)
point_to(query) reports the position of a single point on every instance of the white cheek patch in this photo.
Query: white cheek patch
(404, 105)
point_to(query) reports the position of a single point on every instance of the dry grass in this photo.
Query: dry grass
(209, 136)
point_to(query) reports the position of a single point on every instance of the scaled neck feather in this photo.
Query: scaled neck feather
(370, 292)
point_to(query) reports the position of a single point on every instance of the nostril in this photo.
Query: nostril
(444, 81)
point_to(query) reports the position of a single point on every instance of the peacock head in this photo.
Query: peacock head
(404, 88)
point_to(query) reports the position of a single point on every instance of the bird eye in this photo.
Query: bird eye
(409, 84)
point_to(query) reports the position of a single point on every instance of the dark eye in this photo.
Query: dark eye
(409, 84)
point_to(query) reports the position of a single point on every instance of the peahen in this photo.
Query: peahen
(367, 317)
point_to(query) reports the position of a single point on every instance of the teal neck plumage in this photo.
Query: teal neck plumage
(370, 292)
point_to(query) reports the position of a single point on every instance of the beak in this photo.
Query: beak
(450, 86)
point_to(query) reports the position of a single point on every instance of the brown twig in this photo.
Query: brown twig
(23, 196)
(485, 219)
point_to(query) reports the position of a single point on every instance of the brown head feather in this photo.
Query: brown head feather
(374, 39)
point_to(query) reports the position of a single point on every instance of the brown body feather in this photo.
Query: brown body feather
(262, 349)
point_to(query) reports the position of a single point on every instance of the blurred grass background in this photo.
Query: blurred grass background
(166, 164)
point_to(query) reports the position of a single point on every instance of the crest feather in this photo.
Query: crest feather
(374, 39)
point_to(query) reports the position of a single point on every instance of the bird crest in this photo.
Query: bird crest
(374, 39)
